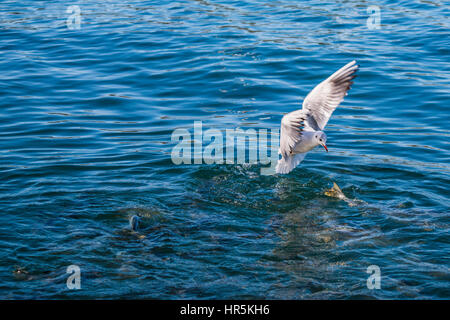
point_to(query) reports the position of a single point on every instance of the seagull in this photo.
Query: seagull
(302, 130)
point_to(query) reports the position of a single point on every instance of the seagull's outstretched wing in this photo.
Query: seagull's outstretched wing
(292, 125)
(327, 95)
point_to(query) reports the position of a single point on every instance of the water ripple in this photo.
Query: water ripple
(86, 123)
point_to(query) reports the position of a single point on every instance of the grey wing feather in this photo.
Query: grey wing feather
(326, 96)
(292, 126)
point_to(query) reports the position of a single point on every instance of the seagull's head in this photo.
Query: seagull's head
(321, 138)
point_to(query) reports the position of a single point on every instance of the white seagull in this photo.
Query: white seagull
(301, 130)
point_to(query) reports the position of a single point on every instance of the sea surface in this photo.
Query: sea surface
(91, 92)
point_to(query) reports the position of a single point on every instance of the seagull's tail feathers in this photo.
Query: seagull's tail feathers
(286, 165)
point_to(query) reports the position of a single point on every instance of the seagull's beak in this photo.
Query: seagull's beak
(325, 147)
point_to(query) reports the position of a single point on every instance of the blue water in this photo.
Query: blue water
(86, 120)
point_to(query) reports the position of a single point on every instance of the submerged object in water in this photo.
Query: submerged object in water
(134, 222)
(336, 192)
